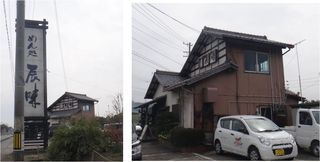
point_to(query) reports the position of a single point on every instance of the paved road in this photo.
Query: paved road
(302, 156)
(6, 148)
(156, 151)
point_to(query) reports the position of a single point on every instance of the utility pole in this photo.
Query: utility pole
(296, 44)
(18, 142)
(189, 47)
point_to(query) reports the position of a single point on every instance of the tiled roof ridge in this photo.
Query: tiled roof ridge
(75, 93)
(166, 72)
(239, 33)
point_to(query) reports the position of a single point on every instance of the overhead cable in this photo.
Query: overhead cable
(191, 28)
(156, 51)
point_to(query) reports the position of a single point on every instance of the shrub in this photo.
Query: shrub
(76, 141)
(165, 122)
(186, 137)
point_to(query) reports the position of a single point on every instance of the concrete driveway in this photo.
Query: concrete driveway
(154, 151)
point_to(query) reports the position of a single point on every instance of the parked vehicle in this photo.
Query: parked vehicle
(306, 129)
(255, 137)
(136, 143)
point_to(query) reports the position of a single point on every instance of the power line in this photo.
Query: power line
(161, 22)
(138, 90)
(309, 78)
(165, 43)
(304, 82)
(82, 83)
(154, 33)
(311, 86)
(156, 51)
(150, 66)
(60, 45)
(152, 19)
(191, 28)
(9, 43)
(148, 60)
(143, 81)
(156, 23)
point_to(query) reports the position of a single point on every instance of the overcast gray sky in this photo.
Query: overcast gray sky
(91, 37)
(288, 23)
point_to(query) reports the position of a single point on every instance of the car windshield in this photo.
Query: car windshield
(262, 125)
(316, 115)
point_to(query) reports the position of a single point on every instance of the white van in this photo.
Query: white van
(306, 129)
(255, 137)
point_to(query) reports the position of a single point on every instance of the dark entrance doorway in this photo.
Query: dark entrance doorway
(207, 117)
(266, 112)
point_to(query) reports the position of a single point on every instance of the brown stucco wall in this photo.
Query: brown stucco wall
(253, 89)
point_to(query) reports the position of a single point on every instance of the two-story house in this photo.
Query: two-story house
(226, 73)
(71, 105)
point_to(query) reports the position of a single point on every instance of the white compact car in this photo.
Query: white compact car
(255, 137)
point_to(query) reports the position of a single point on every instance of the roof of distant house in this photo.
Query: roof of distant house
(294, 95)
(164, 78)
(78, 96)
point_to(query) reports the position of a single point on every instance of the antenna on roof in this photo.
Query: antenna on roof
(296, 44)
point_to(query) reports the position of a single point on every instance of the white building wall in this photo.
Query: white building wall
(172, 97)
(187, 110)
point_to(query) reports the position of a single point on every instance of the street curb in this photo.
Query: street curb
(6, 138)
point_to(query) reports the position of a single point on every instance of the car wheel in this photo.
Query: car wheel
(315, 148)
(254, 154)
(218, 148)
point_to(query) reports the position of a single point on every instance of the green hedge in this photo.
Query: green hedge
(77, 141)
(186, 137)
(165, 122)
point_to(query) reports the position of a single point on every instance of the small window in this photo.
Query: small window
(305, 118)
(238, 126)
(225, 123)
(256, 62)
(85, 108)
